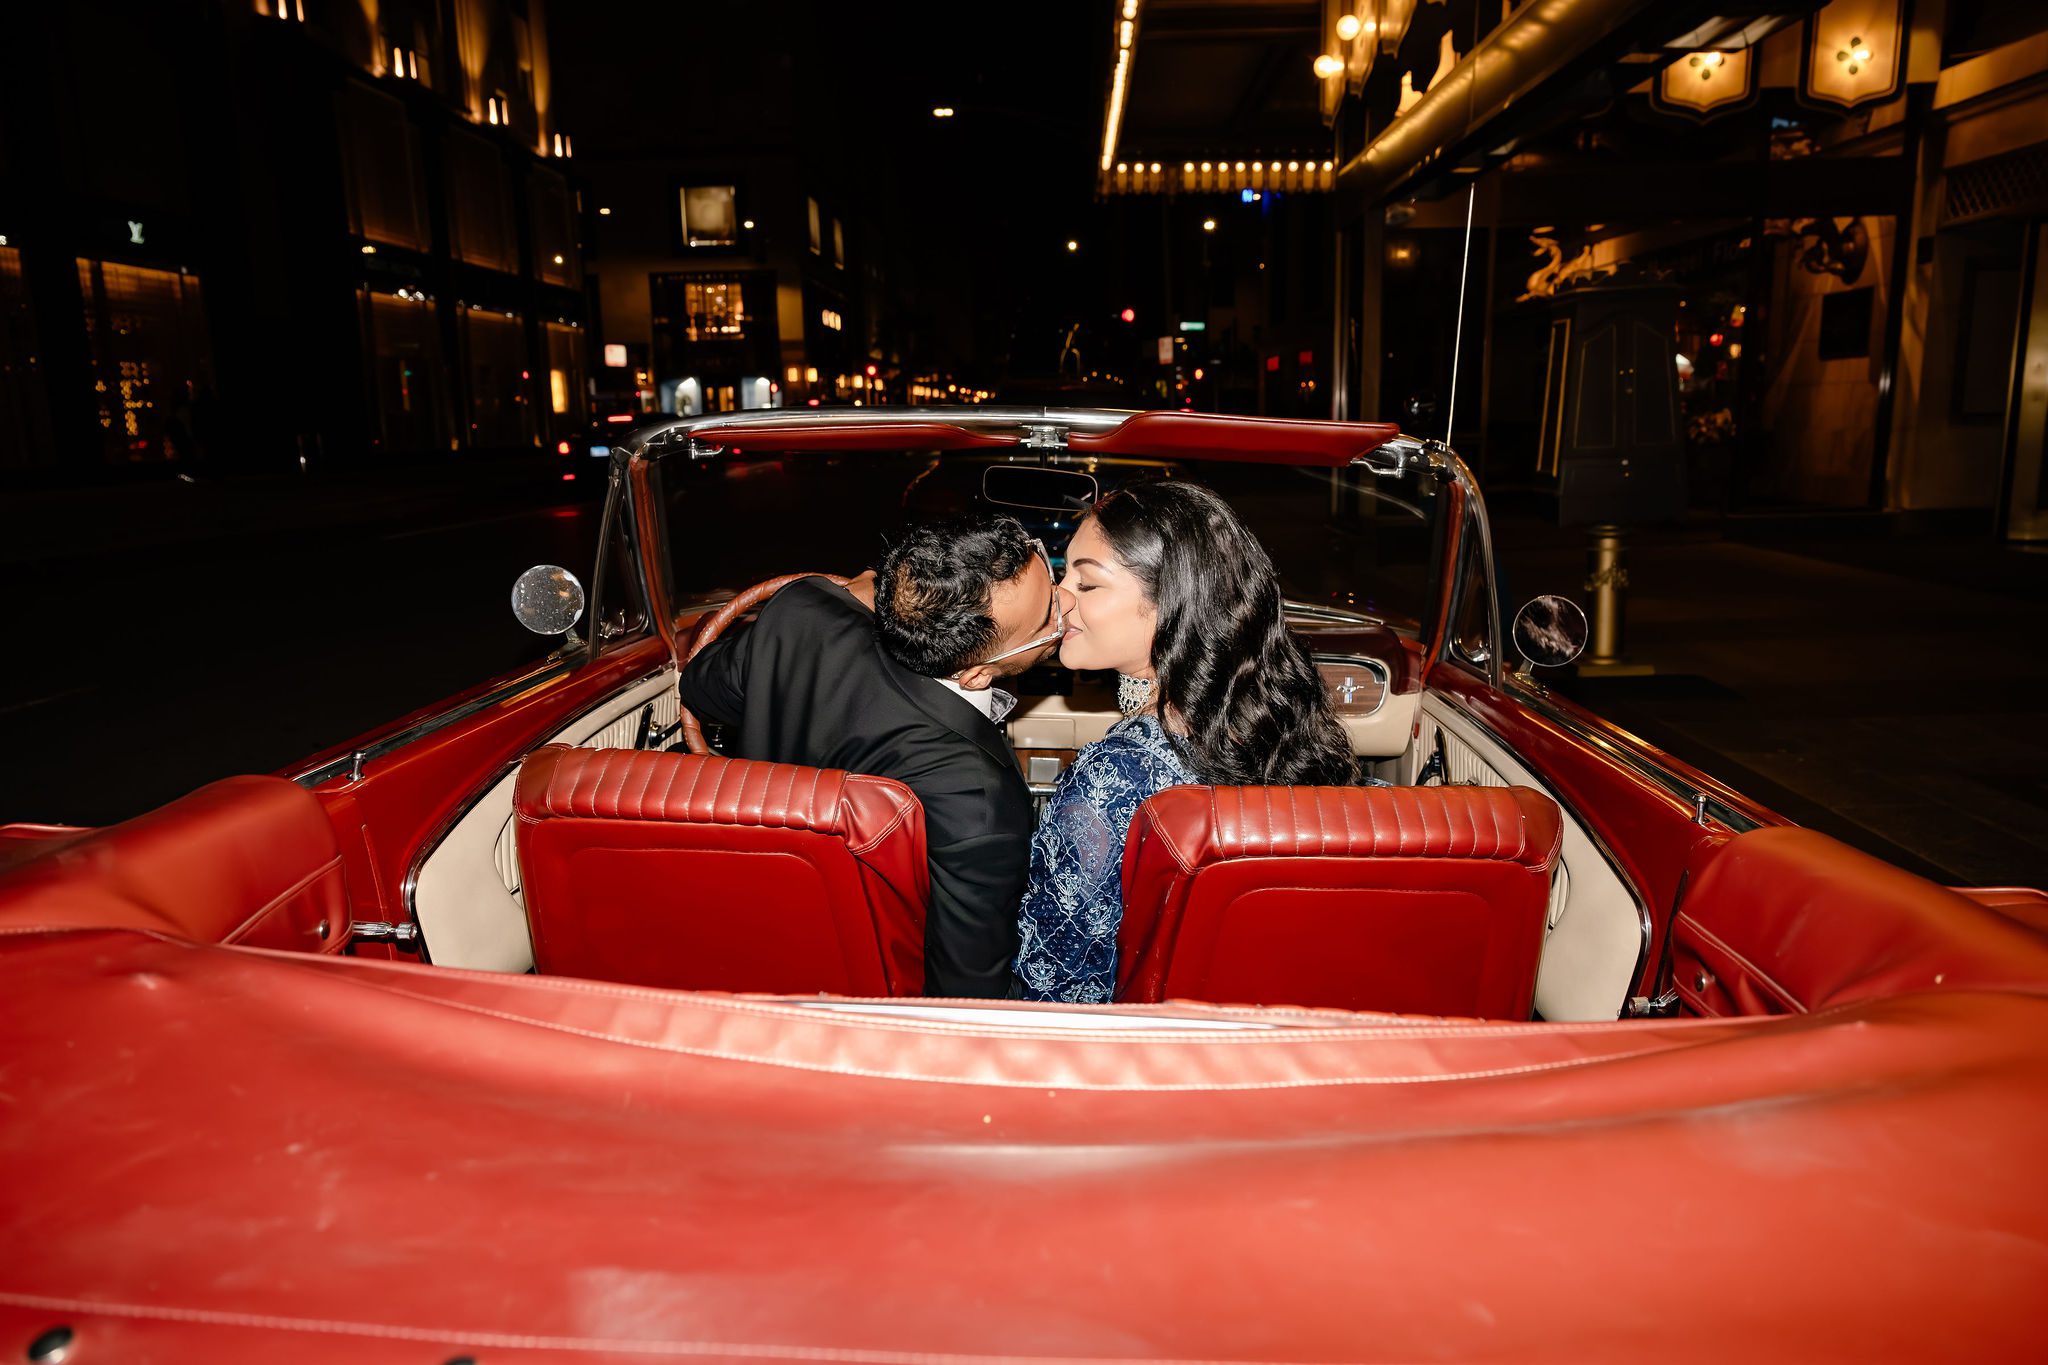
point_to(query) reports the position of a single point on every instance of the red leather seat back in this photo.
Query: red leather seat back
(700, 873)
(1413, 900)
(248, 860)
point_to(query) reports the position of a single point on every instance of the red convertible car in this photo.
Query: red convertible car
(521, 1029)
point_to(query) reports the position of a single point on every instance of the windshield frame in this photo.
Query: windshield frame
(1044, 431)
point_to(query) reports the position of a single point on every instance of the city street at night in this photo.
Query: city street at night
(1115, 681)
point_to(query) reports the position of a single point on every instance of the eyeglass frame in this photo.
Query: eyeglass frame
(1059, 615)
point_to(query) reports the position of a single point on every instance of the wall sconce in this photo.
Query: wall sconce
(1853, 54)
(1704, 85)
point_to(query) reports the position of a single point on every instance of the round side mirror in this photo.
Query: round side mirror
(547, 600)
(1550, 632)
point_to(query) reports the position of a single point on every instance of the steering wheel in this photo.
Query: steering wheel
(713, 626)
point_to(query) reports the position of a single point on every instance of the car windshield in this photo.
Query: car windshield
(1344, 540)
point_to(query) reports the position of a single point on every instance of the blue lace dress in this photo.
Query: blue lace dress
(1074, 899)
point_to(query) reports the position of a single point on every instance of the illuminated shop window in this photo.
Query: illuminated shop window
(715, 308)
(567, 390)
(152, 367)
(408, 375)
(24, 405)
(708, 216)
(501, 385)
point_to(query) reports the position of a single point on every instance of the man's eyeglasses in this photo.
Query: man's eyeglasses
(1054, 614)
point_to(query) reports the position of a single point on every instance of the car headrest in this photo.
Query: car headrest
(1199, 825)
(631, 784)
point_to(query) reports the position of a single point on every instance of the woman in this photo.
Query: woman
(1166, 586)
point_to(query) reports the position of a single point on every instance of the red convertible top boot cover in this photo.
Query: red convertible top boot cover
(223, 1154)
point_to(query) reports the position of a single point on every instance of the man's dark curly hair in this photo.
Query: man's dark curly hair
(933, 590)
(1243, 685)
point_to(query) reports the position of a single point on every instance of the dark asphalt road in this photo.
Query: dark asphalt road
(303, 617)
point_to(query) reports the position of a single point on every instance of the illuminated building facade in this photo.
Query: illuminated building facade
(271, 233)
(1827, 217)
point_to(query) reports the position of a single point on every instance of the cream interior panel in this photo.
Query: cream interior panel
(1596, 928)
(1071, 722)
(467, 898)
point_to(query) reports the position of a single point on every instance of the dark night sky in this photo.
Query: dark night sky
(979, 205)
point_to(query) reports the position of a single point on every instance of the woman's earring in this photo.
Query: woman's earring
(1132, 694)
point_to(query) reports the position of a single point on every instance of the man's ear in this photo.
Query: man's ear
(976, 679)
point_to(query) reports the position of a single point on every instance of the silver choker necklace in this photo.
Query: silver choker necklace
(1132, 694)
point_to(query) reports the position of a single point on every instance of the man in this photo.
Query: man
(894, 676)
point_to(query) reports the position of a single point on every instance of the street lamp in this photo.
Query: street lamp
(1208, 225)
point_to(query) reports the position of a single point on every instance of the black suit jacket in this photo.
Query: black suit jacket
(810, 683)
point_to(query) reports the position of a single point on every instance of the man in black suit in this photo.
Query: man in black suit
(894, 676)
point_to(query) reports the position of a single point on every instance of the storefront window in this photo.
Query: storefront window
(408, 378)
(714, 308)
(152, 365)
(24, 406)
(566, 389)
(500, 384)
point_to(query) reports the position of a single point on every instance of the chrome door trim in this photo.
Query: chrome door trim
(1695, 797)
(1645, 927)
(350, 764)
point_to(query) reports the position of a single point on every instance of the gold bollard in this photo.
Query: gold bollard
(1607, 581)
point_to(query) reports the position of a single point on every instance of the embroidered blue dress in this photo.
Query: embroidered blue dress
(1074, 899)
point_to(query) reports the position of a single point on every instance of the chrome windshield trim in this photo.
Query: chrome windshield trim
(1316, 611)
(526, 682)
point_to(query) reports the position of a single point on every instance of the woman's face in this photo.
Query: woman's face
(1109, 622)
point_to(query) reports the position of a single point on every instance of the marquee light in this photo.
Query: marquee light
(1126, 38)
(1347, 27)
(1328, 66)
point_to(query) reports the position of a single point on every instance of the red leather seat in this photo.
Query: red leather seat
(701, 873)
(1414, 900)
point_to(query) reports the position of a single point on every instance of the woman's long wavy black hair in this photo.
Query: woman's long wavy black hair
(1247, 699)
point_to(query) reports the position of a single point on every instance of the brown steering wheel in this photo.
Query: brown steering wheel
(713, 626)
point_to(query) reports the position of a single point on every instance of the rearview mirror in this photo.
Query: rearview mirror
(1068, 492)
(547, 600)
(1550, 632)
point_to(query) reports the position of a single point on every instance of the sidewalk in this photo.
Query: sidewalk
(1892, 691)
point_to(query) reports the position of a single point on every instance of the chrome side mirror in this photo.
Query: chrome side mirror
(548, 600)
(1550, 632)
